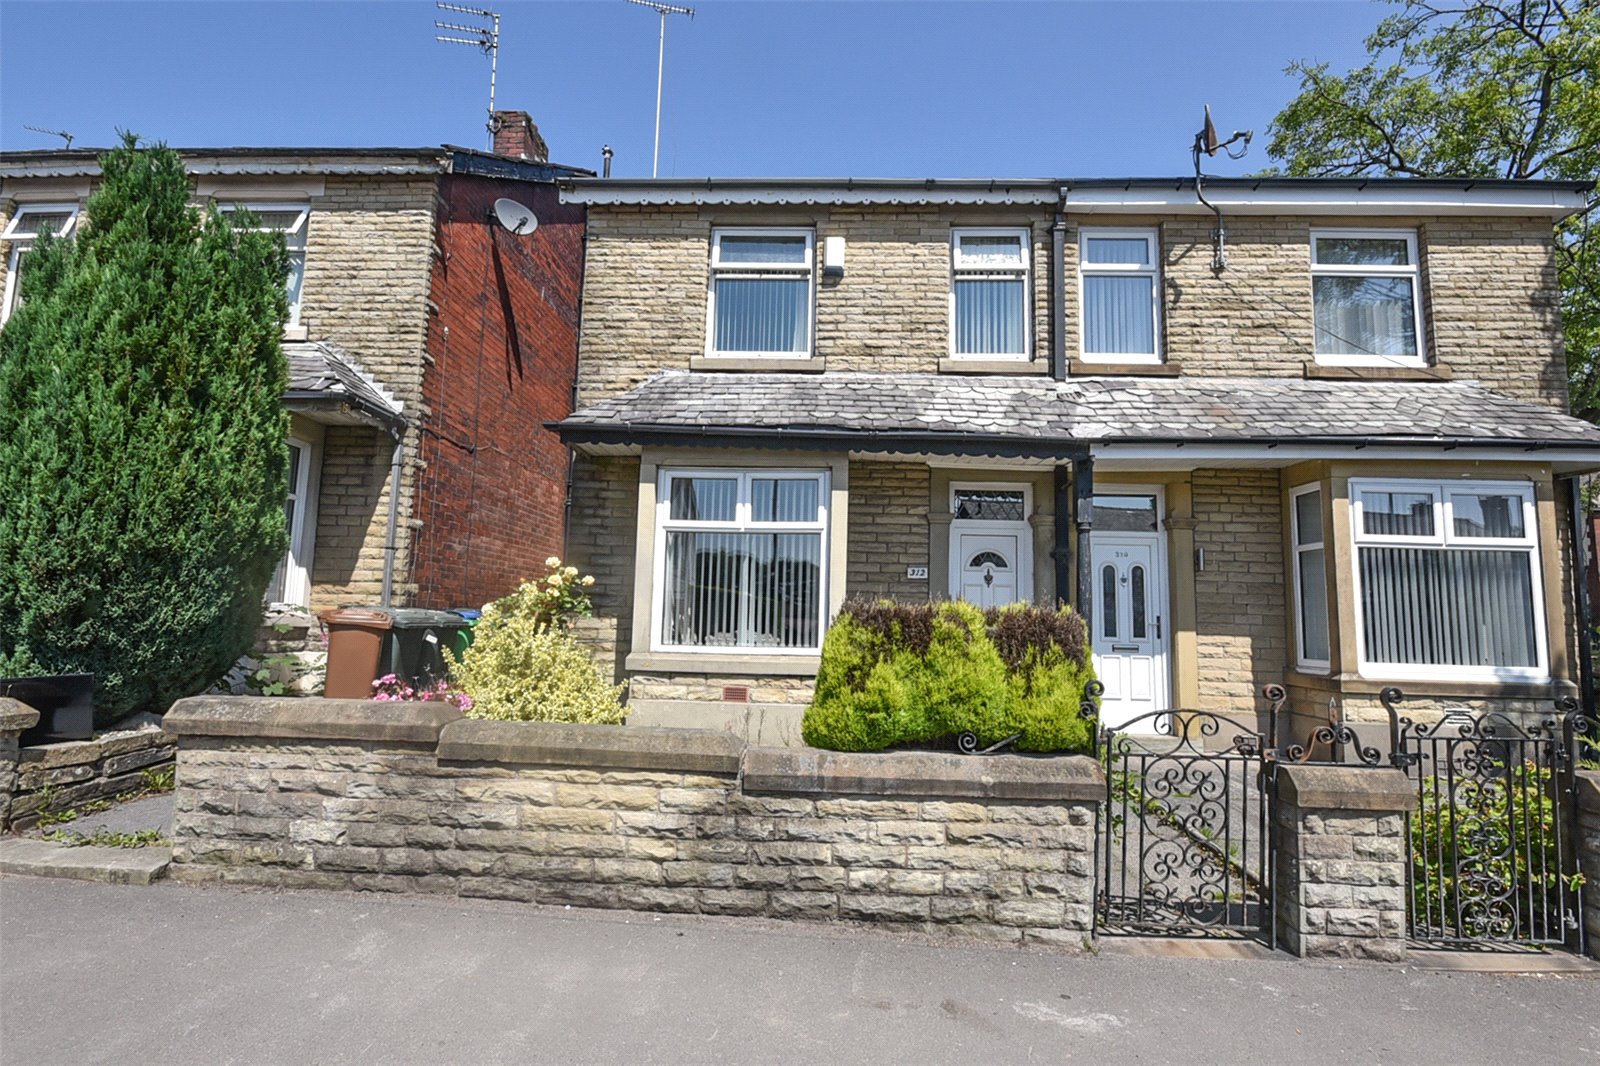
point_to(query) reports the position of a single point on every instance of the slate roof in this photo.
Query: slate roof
(320, 372)
(1080, 411)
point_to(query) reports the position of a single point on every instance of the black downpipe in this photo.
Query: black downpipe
(1062, 553)
(1083, 510)
(1058, 300)
(1580, 597)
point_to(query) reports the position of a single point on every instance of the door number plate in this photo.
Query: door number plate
(917, 573)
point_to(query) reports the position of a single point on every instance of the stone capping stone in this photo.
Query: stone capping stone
(614, 747)
(1588, 785)
(1070, 778)
(310, 718)
(1346, 788)
(15, 716)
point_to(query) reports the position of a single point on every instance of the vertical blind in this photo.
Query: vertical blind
(1442, 607)
(990, 316)
(743, 589)
(1365, 316)
(762, 314)
(1118, 315)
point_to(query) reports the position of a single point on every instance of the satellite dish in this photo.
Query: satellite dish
(515, 217)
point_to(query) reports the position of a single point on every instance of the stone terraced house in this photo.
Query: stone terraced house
(1339, 460)
(427, 345)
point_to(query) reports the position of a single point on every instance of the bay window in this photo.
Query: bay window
(989, 293)
(740, 560)
(1447, 580)
(29, 221)
(289, 220)
(1365, 288)
(760, 299)
(1119, 281)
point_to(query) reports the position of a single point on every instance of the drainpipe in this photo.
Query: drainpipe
(1580, 596)
(1058, 299)
(1083, 511)
(390, 545)
(1062, 553)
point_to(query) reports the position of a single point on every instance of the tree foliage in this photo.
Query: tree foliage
(1471, 89)
(143, 467)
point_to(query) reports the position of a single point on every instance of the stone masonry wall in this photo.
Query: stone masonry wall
(1241, 641)
(600, 540)
(70, 772)
(1340, 864)
(15, 717)
(888, 530)
(1588, 846)
(369, 251)
(351, 794)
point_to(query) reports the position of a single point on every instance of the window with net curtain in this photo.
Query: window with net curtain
(761, 292)
(1364, 288)
(291, 221)
(1448, 575)
(1118, 277)
(989, 293)
(742, 560)
(26, 225)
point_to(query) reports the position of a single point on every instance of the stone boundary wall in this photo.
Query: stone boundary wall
(1588, 839)
(1340, 865)
(71, 772)
(351, 794)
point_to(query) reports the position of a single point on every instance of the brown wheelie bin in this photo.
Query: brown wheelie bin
(355, 643)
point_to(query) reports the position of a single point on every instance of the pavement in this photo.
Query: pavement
(190, 974)
(32, 854)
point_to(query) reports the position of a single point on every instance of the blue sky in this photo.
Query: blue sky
(753, 87)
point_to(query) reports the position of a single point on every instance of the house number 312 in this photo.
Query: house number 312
(917, 573)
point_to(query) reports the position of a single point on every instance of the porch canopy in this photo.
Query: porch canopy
(1119, 422)
(327, 385)
(1082, 426)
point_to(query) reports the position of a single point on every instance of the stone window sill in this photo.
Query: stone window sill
(1438, 372)
(776, 365)
(296, 333)
(993, 366)
(725, 663)
(1079, 368)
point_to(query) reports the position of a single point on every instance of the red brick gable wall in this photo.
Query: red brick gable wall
(502, 348)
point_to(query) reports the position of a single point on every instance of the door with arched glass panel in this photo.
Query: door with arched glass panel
(989, 569)
(1129, 625)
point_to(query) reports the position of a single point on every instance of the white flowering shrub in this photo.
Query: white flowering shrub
(525, 666)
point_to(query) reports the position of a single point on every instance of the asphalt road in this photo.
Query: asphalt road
(173, 974)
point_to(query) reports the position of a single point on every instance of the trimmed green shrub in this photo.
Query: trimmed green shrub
(143, 464)
(921, 673)
(522, 667)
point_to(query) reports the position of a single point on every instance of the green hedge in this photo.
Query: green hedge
(895, 673)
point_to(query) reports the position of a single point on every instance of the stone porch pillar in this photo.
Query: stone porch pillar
(15, 717)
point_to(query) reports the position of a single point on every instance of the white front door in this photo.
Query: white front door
(987, 568)
(1129, 606)
(291, 581)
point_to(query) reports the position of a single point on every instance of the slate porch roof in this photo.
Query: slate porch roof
(1071, 415)
(324, 377)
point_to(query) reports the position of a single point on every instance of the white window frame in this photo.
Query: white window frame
(1444, 536)
(258, 207)
(1024, 272)
(21, 244)
(1303, 662)
(742, 523)
(1152, 238)
(293, 577)
(786, 270)
(1412, 271)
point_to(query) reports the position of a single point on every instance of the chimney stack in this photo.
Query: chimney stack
(516, 136)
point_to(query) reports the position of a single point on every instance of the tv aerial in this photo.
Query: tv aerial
(515, 217)
(63, 134)
(1206, 142)
(485, 38)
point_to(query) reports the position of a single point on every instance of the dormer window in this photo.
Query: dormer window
(289, 220)
(1365, 287)
(25, 226)
(761, 292)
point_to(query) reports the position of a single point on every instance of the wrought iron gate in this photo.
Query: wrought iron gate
(1492, 841)
(1184, 842)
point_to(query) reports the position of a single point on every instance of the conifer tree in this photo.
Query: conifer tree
(143, 464)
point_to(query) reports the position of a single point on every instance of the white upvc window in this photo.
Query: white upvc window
(289, 220)
(1447, 580)
(1310, 579)
(762, 284)
(26, 224)
(741, 561)
(1119, 282)
(291, 581)
(1366, 292)
(989, 293)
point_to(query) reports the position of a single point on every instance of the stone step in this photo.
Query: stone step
(118, 866)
